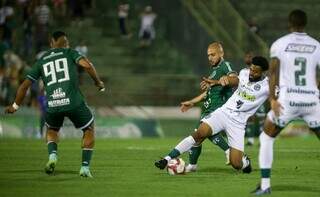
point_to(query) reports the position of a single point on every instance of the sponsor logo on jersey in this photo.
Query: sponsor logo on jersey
(300, 48)
(247, 96)
(300, 91)
(302, 104)
(58, 93)
(58, 103)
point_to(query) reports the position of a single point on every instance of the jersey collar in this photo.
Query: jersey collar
(221, 61)
(300, 33)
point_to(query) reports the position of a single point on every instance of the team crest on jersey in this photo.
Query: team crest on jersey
(257, 87)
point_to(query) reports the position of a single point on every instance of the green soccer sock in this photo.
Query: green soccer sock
(52, 147)
(174, 153)
(218, 140)
(194, 154)
(265, 173)
(86, 156)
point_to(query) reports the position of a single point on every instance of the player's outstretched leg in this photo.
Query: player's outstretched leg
(197, 138)
(218, 140)
(87, 149)
(52, 138)
(182, 147)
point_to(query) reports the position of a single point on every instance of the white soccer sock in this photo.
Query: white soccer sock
(266, 151)
(185, 144)
(265, 157)
(265, 183)
(168, 158)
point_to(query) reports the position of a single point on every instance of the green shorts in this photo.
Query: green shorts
(81, 117)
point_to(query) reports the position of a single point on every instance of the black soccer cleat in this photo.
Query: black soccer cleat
(161, 164)
(247, 169)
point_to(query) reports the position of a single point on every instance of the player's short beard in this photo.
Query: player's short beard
(251, 79)
(216, 64)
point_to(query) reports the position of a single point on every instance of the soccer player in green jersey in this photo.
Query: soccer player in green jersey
(58, 70)
(213, 97)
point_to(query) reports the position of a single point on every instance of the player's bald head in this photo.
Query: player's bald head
(216, 46)
(215, 53)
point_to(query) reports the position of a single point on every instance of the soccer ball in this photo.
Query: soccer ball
(176, 166)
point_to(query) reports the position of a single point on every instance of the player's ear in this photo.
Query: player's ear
(51, 42)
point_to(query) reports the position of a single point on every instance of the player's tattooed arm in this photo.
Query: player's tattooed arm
(90, 69)
(21, 93)
(186, 105)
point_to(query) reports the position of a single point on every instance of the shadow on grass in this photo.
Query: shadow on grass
(220, 170)
(295, 188)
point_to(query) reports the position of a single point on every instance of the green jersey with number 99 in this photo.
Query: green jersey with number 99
(217, 95)
(58, 70)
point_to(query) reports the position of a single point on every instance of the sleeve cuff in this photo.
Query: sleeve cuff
(32, 78)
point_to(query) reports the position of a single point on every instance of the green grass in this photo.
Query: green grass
(125, 168)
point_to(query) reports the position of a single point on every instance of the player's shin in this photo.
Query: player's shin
(194, 154)
(182, 147)
(87, 147)
(218, 140)
(265, 159)
(52, 147)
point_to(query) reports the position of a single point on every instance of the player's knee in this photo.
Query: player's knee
(88, 143)
(271, 129)
(200, 135)
(88, 138)
(52, 135)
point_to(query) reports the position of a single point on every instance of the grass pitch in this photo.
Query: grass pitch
(125, 168)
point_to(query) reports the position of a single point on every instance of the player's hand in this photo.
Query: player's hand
(224, 80)
(9, 110)
(206, 83)
(276, 107)
(100, 86)
(185, 106)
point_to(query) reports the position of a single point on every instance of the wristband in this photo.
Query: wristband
(15, 106)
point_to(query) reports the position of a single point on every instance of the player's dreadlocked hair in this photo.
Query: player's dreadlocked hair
(261, 61)
(57, 34)
(298, 18)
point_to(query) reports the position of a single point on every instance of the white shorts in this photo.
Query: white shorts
(219, 121)
(310, 114)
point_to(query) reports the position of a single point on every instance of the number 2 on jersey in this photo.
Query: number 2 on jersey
(300, 78)
(52, 68)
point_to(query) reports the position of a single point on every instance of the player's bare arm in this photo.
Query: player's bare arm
(274, 81)
(206, 83)
(89, 68)
(227, 80)
(186, 105)
(21, 93)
